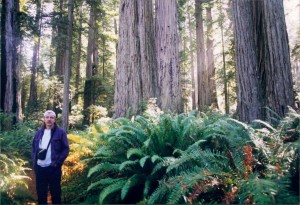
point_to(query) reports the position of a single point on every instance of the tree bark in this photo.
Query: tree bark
(167, 48)
(10, 62)
(34, 69)
(249, 105)
(66, 98)
(60, 34)
(192, 62)
(212, 91)
(136, 78)
(78, 57)
(279, 83)
(91, 42)
(201, 65)
(147, 49)
(128, 88)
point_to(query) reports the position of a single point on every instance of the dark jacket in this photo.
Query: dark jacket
(59, 145)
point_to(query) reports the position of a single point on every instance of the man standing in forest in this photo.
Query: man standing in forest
(50, 148)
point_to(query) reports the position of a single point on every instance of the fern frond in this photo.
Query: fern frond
(265, 124)
(159, 166)
(155, 158)
(115, 187)
(147, 186)
(175, 195)
(102, 182)
(104, 151)
(103, 167)
(127, 163)
(263, 191)
(135, 152)
(159, 194)
(143, 160)
(131, 182)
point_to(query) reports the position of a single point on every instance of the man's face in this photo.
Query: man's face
(49, 120)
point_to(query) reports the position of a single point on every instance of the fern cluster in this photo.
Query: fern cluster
(190, 158)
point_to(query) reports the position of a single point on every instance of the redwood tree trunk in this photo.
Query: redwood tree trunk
(147, 49)
(192, 62)
(66, 98)
(201, 65)
(167, 48)
(128, 88)
(78, 57)
(10, 53)
(135, 73)
(212, 91)
(279, 83)
(249, 105)
(34, 69)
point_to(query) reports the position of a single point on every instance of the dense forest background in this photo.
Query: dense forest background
(88, 59)
(165, 82)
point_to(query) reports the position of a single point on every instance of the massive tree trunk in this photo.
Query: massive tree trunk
(249, 106)
(201, 65)
(266, 25)
(135, 74)
(212, 91)
(167, 48)
(192, 62)
(17, 109)
(60, 40)
(91, 63)
(91, 43)
(34, 67)
(78, 57)
(128, 88)
(278, 83)
(66, 98)
(10, 54)
(147, 49)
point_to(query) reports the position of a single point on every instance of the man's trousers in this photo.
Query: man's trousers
(48, 177)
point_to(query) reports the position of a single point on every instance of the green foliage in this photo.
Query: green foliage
(209, 158)
(76, 166)
(18, 141)
(13, 177)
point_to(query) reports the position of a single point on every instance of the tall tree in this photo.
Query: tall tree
(10, 48)
(201, 65)
(128, 91)
(212, 91)
(135, 78)
(78, 55)
(147, 49)
(249, 104)
(91, 61)
(262, 53)
(68, 65)
(167, 48)
(273, 56)
(192, 61)
(59, 37)
(35, 55)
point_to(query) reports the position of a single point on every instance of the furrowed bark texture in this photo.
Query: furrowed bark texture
(167, 41)
(248, 95)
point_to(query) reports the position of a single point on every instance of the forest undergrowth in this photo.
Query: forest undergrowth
(193, 158)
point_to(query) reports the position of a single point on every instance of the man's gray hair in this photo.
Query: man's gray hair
(50, 112)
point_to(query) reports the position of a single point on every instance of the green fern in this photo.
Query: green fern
(103, 167)
(131, 182)
(112, 188)
(263, 191)
(138, 152)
